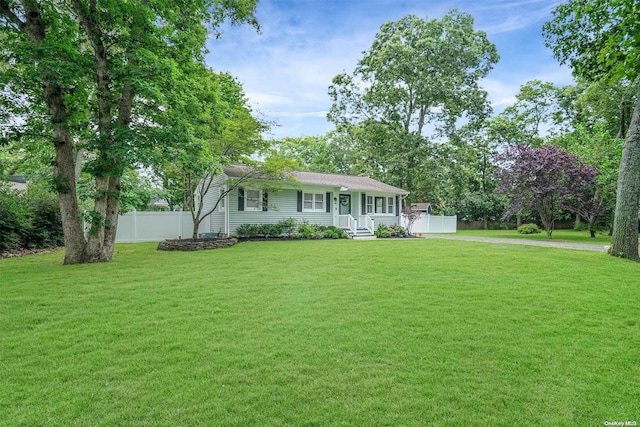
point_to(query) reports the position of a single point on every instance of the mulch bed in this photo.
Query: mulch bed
(24, 252)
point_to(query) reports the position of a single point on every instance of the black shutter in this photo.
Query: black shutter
(265, 201)
(328, 196)
(299, 201)
(240, 198)
(363, 204)
(397, 205)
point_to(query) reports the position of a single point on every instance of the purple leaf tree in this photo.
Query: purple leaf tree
(546, 180)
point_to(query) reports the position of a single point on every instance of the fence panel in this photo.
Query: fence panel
(155, 226)
(433, 224)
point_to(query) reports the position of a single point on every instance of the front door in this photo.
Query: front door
(345, 204)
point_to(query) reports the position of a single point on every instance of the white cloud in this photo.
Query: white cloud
(500, 94)
(287, 69)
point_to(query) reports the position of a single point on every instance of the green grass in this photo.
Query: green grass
(394, 332)
(557, 235)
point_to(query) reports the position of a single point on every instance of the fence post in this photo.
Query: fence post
(134, 224)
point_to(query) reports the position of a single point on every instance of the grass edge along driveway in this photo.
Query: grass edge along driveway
(395, 332)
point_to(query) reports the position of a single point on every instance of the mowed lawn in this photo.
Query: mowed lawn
(386, 332)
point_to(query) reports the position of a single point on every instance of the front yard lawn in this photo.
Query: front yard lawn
(386, 332)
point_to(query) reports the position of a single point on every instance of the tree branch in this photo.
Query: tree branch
(6, 11)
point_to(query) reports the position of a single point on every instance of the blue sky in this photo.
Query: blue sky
(287, 68)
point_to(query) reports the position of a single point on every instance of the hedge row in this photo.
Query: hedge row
(29, 220)
(289, 228)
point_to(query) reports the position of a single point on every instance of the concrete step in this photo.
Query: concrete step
(361, 233)
(364, 237)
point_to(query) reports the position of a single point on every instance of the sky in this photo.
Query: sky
(287, 67)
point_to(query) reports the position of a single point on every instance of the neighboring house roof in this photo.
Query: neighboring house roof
(420, 206)
(347, 182)
(160, 203)
(16, 182)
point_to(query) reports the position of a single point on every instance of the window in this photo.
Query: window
(313, 202)
(251, 200)
(390, 203)
(383, 205)
(369, 204)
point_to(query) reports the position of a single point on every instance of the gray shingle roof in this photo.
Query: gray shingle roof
(351, 182)
(359, 183)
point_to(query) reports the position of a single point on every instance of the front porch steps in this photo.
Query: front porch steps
(361, 234)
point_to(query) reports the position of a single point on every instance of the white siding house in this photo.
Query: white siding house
(350, 202)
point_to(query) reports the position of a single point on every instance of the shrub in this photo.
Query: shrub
(270, 230)
(248, 230)
(393, 230)
(288, 226)
(382, 231)
(333, 232)
(580, 226)
(15, 219)
(46, 229)
(307, 231)
(29, 220)
(528, 229)
(397, 230)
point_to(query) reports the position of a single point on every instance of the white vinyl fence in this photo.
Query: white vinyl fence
(433, 224)
(155, 226)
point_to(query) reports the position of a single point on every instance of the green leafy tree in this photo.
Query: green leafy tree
(138, 191)
(542, 111)
(330, 153)
(473, 156)
(218, 130)
(100, 76)
(415, 83)
(598, 148)
(600, 40)
(609, 103)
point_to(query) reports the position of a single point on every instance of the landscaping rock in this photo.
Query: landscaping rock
(195, 244)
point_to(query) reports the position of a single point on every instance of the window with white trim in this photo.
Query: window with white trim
(383, 205)
(251, 200)
(369, 204)
(313, 202)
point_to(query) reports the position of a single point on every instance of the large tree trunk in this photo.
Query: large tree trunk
(64, 170)
(624, 242)
(107, 202)
(64, 178)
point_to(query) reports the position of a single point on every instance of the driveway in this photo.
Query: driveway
(547, 243)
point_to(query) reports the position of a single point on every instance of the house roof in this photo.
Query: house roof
(349, 182)
(420, 206)
(16, 182)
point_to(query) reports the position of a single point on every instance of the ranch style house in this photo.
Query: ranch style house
(355, 203)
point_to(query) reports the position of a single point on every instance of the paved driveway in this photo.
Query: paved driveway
(547, 243)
